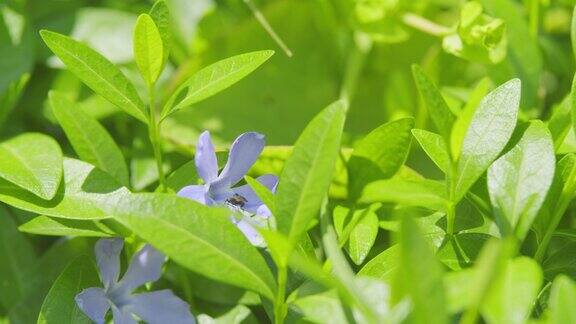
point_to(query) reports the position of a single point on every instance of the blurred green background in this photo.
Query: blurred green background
(361, 47)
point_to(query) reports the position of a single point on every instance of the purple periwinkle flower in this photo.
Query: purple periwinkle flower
(155, 307)
(218, 188)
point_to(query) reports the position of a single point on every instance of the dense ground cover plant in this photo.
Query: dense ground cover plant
(354, 189)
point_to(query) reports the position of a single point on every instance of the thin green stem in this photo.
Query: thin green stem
(154, 134)
(451, 205)
(362, 44)
(424, 25)
(267, 27)
(280, 309)
(534, 17)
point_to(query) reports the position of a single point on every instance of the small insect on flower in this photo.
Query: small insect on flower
(237, 200)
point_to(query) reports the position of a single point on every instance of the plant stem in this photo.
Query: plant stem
(154, 134)
(280, 302)
(451, 206)
(362, 45)
(424, 25)
(264, 22)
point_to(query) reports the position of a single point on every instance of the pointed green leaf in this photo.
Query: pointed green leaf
(89, 139)
(519, 180)
(425, 193)
(435, 146)
(379, 155)
(308, 172)
(490, 129)
(148, 49)
(44, 225)
(213, 79)
(87, 193)
(24, 163)
(59, 305)
(362, 237)
(198, 237)
(16, 257)
(438, 110)
(161, 16)
(96, 72)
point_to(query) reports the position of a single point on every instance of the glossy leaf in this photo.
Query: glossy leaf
(90, 140)
(44, 225)
(519, 180)
(24, 163)
(379, 155)
(308, 171)
(213, 79)
(425, 193)
(96, 72)
(148, 49)
(435, 146)
(161, 16)
(490, 129)
(59, 305)
(438, 109)
(200, 238)
(87, 193)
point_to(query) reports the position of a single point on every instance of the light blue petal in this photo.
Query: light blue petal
(108, 259)
(243, 153)
(263, 211)
(205, 158)
(93, 302)
(270, 181)
(195, 192)
(250, 232)
(161, 307)
(122, 316)
(146, 266)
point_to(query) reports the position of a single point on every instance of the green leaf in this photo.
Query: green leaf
(213, 79)
(383, 266)
(262, 192)
(425, 193)
(490, 129)
(379, 155)
(562, 301)
(198, 237)
(438, 110)
(24, 163)
(87, 193)
(513, 293)
(308, 171)
(44, 225)
(417, 261)
(89, 139)
(519, 180)
(59, 305)
(17, 257)
(161, 16)
(362, 237)
(97, 73)
(148, 49)
(435, 146)
(183, 176)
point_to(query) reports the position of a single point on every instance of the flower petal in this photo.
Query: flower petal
(243, 153)
(93, 302)
(252, 200)
(250, 232)
(108, 259)
(205, 158)
(146, 266)
(195, 192)
(160, 307)
(122, 316)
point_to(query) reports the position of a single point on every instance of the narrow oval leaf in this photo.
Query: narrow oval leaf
(362, 237)
(435, 146)
(438, 109)
(161, 16)
(97, 72)
(44, 225)
(148, 51)
(425, 193)
(32, 162)
(87, 193)
(214, 78)
(379, 155)
(59, 305)
(519, 180)
(308, 171)
(198, 237)
(490, 129)
(89, 139)
(563, 301)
